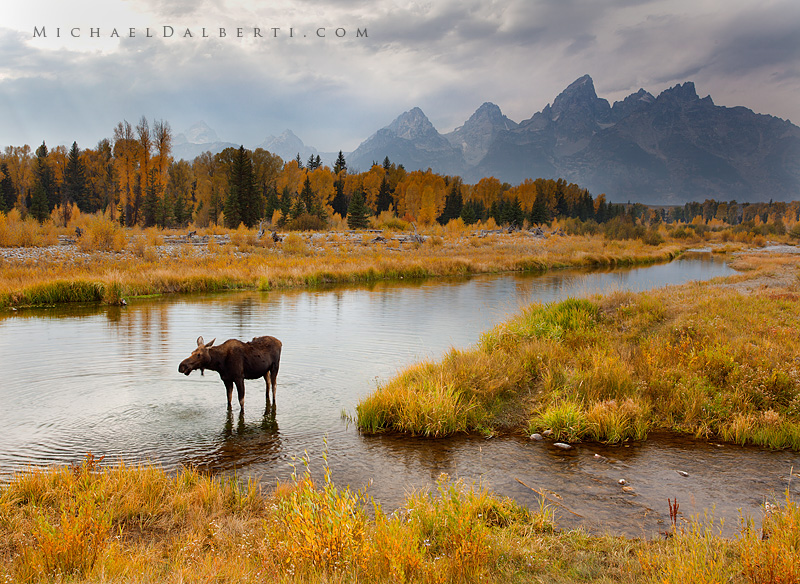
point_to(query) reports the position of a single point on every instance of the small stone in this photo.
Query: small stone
(683, 473)
(536, 437)
(562, 446)
(622, 482)
(547, 433)
(627, 489)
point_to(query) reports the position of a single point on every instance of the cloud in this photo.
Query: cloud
(447, 57)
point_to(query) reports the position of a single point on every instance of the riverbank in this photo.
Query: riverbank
(87, 523)
(710, 359)
(150, 263)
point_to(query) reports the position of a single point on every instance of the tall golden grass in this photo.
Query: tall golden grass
(700, 359)
(90, 524)
(137, 523)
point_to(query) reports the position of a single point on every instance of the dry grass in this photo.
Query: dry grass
(702, 358)
(126, 524)
(88, 524)
(140, 265)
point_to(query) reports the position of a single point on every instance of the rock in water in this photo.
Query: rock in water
(536, 437)
(562, 446)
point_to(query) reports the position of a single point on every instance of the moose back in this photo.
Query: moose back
(236, 361)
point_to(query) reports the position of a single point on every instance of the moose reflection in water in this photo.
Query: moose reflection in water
(236, 361)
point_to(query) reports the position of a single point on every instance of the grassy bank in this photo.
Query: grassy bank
(110, 263)
(139, 524)
(704, 359)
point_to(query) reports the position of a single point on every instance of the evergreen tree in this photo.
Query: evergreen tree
(7, 195)
(45, 177)
(297, 209)
(539, 214)
(453, 204)
(339, 202)
(38, 205)
(307, 195)
(340, 164)
(74, 189)
(299, 161)
(387, 165)
(514, 215)
(357, 212)
(385, 201)
(472, 212)
(244, 199)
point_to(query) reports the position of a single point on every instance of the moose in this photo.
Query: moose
(236, 361)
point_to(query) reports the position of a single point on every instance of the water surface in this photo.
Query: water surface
(104, 380)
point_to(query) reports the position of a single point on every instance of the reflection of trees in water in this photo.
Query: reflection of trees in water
(243, 443)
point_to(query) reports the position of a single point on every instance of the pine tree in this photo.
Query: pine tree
(74, 189)
(339, 202)
(7, 195)
(243, 204)
(514, 213)
(357, 212)
(45, 177)
(385, 201)
(307, 195)
(340, 164)
(299, 161)
(38, 206)
(539, 212)
(453, 204)
(387, 164)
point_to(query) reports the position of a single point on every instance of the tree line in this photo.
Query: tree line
(134, 178)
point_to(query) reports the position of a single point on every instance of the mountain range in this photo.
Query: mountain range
(666, 149)
(199, 138)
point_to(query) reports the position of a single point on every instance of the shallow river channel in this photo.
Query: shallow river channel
(104, 380)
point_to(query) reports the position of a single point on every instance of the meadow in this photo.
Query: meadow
(712, 359)
(89, 523)
(705, 359)
(43, 264)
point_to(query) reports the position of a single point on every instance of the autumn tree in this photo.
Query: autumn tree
(126, 156)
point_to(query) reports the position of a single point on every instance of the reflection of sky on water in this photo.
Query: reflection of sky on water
(105, 380)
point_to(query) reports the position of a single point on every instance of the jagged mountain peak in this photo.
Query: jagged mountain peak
(478, 132)
(411, 125)
(200, 133)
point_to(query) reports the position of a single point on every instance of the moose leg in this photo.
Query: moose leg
(273, 374)
(229, 390)
(240, 391)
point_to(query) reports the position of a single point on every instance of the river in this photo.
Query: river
(99, 379)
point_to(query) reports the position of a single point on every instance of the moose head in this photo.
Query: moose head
(199, 359)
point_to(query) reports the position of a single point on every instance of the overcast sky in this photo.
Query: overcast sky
(445, 56)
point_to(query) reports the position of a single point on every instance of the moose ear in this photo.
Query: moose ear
(199, 341)
(211, 343)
